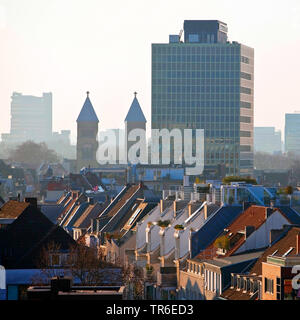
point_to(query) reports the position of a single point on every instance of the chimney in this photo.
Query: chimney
(276, 233)
(32, 201)
(298, 244)
(74, 195)
(60, 284)
(175, 207)
(190, 209)
(269, 211)
(91, 201)
(246, 205)
(205, 211)
(248, 231)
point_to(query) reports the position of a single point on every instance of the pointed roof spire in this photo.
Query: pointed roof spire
(87, 113)
(135, 113)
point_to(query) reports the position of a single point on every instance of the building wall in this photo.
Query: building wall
(247, 111)
(270, 272)
(117, 254)
(87, 145)
(191, 286)
(31, 118)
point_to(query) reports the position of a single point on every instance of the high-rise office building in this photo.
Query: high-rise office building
(206, 82)
(292, 133)
(267, 139)
(31, 118)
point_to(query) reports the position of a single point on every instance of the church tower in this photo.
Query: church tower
(87, 131)
(135, 119)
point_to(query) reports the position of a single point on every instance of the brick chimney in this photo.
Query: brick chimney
(74, 195)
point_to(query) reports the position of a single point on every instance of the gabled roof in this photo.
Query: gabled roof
(254, 216)
(87, 113)
(213, 227)
(135, 113)
(28, 234)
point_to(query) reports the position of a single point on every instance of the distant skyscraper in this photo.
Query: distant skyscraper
(292, 133)
(207, 83)
(135, 119)
(31, 118)
(87, 130)
(267, 139)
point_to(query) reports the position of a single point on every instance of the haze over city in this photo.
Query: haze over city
(69, 47)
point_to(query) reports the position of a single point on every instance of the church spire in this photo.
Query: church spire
(135, 113)
(87, 113)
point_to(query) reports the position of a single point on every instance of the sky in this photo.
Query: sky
(68, 47)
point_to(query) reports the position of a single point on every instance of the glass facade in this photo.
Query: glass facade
(292, 133)
(199, 86)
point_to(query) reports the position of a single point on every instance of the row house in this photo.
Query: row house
(275, 275)
(239, 244)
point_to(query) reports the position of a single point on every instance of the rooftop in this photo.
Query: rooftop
(12, 209)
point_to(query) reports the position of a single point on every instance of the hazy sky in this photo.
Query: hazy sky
(71, 46)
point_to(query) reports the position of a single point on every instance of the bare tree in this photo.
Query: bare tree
(87, 264)
(134, 281)
(50, 263)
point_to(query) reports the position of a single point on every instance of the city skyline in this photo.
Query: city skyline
(66, 58)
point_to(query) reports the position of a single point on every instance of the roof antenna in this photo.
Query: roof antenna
(135, 93)
(87, 93)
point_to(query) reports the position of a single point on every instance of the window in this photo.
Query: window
(246, 76)
(245, 60)
(269, 283)
(233, 280)
(246, 105)
(245, 134)
(245, 119)
(55, 260)
(278, 289)
(245, 148)
(246, 90)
